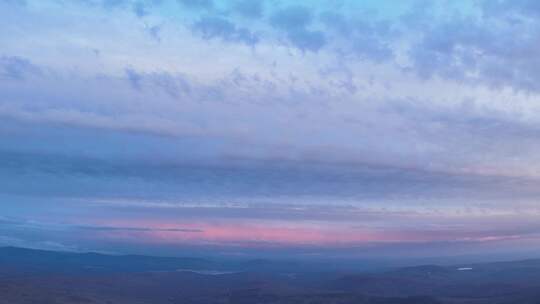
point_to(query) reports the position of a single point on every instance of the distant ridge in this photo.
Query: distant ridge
(37, 260)
(41, 276)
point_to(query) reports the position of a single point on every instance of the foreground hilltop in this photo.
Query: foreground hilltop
(35, 276)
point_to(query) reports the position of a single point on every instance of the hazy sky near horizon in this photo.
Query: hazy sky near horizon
(358, 128)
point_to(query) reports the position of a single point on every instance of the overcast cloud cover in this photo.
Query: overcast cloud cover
(360, 127)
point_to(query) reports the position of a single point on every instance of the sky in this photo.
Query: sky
(247, 127)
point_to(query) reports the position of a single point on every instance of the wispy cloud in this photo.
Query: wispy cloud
(138, 229)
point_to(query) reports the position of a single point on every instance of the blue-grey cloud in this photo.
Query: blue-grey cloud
(294, 21)
(140, 9)
(216, 27)
(249, 8)
(14, 2)
(504, 7)
(493, 50)
(174, 86)
(197, 4)
(369, 41)
(154, 32)
(138, 229)
(292, 17)
(113, 3)
(17, 68)
(51, 174)
(307, 40)
(134, 78)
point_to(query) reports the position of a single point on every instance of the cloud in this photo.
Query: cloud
(502, 8)
(291, 17)
(113, 3)
(227, 112)
(197, 4)
(294, 182)
(41, 245)
(495, 50)
(337, 22)
(404, 110)
(307, 40)
(294, 20)
(138, 229)
(14, 2)
(173, 86)
(363, 39)
(140, 9)
(216, 27)
(249, 8)
(134, 79)
(17, 68)
(154, 31)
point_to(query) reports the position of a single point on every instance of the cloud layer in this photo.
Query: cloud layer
(285, 117)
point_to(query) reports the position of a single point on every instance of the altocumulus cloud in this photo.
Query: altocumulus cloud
(305, 112)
